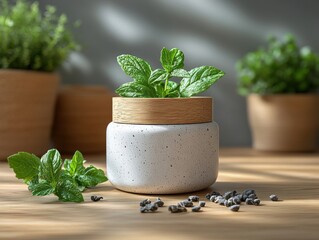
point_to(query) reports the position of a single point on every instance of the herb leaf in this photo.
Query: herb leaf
(91, 177)
(50, 166)
(200, 80)
(42, 189)
(157, 76)
(25, 165)
(67, 191)
(172, 59)
(135, 67)
(180, 73)
(135, 89)
(75, 165)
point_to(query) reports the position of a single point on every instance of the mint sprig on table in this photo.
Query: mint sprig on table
(156, 83)
(50, 174)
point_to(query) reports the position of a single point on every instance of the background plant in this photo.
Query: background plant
(31, 40)
(156, 83)
(282, 67)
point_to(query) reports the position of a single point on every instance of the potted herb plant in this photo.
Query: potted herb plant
(32, 47)
(280, 83)
(162, 139)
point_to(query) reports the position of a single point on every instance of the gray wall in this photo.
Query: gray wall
(210, 32)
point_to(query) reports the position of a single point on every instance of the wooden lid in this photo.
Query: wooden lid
(162, 110)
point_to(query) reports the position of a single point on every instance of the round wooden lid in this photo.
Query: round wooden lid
(162, 110)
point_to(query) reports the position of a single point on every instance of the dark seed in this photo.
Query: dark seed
(256, 202)
(236, 200)
(145, 202)
(96, 198)
(185, 203)
(176, 209)
(152, 207)
(221, 201)
(202, 203)
(208, 196)
(212, 198)
(273, 197)
(193, 198)
(253, 196)
(228, 203)
(196, 209)
(235, 208)
(229, 194)
(249, 201)
(159, 202)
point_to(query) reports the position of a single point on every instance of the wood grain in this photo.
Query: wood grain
(162, 110)
(294, 178)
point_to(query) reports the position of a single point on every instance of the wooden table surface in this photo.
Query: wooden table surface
(294, 178)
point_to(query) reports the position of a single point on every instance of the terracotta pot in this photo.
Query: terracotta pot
(27, 101)
(162, 145)
(284, 122)
(82, 113)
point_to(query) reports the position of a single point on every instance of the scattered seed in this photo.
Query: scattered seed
(249, 201)
(176, 209)
(145, 202)
(256, 202)
(96, 198)
(229, 194)
(193, 198)
(159, 202)
(273, 197)
(236, 200)
(185, 203)
(152, 207)
(235, 208)
(221, 201)
(253, 196)
(208, 196)
(212, 198)
(196, 209)
(202, 203)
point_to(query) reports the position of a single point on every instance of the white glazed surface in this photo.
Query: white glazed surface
(162, 159)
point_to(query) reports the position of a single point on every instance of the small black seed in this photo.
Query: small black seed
(96, 198)
(234, 208)
(202, 203)
(249, 201)
(256, 202)
(193, 198)
(145, 202)
(196, 209)
(273, 197)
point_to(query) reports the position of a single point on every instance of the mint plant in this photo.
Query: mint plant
(31, 40)
(282, 67)
(46, 175)
(148, 83)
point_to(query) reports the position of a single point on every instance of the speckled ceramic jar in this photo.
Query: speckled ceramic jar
(162, 158)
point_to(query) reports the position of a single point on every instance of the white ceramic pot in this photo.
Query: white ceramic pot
(162, 158)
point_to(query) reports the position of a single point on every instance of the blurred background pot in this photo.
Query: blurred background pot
(82, 113)
(284, 122)
(27, 101)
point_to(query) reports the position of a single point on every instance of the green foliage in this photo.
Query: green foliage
(31, 40)
(283, 67)
(46, 176)
(156, 83)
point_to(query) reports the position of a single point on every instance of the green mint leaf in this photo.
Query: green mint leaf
(172, 59)
(135, 67)
(75, 166)
(25, 165)
(200, 80)
(50, 166)
(32, 183)
(68, 191)
(157, 76)
(42, 189)
(135, 89)
(91, 177)
(180, 73)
